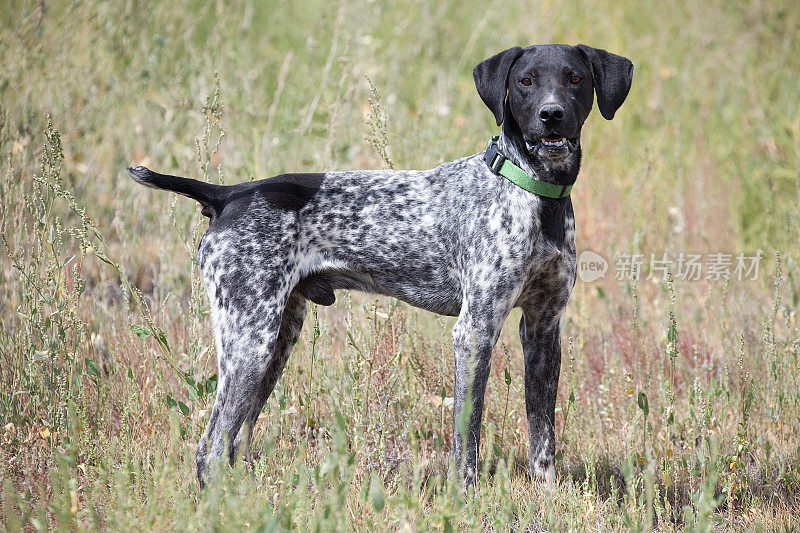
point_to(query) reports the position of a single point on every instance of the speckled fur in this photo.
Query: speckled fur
(457, 240)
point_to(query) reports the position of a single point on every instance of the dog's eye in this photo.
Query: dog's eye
(525, 81)
(575, 79)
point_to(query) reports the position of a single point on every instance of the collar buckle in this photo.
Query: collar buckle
(493, 158)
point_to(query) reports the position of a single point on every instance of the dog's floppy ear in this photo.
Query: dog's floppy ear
(612, 75)
(491, 80)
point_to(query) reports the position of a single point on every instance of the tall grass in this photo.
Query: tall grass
(678, 406)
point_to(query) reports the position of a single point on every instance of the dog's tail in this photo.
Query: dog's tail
(210, 196)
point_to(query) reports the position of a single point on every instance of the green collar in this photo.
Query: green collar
(500, 165)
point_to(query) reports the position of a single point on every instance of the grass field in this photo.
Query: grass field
(679, 400)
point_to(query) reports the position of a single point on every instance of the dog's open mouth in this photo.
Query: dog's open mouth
(552, 143)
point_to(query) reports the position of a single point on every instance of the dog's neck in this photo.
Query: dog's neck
(553, 212)
(512, 145)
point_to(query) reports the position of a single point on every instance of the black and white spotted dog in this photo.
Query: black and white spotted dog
(459, 240)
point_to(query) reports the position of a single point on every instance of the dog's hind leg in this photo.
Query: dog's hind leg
(291, 324)
(247, 331)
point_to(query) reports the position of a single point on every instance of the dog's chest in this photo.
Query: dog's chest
(552, 265)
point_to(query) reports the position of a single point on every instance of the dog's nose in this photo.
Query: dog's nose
(551, 113)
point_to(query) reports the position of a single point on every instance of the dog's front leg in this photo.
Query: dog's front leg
(474, 335)
(540, 334)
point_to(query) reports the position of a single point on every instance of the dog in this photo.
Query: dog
(472, 238)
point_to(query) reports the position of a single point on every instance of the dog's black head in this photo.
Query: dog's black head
(543, 94)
